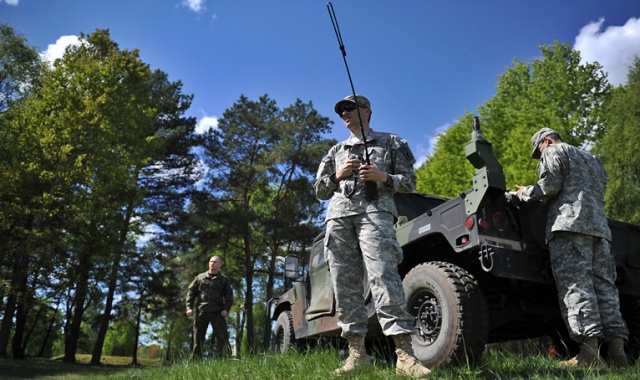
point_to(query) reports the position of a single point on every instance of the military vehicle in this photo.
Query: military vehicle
(475, 271)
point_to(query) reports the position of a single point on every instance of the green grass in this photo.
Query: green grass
(318, 364)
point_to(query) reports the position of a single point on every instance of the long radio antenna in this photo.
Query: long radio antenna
(371, 189)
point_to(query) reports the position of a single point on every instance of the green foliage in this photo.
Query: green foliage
(20, 70)
(120, 338)
(80, 154)
(619, 149)
(20, 66)
(553, 91)
(259, 330)
(76, 138)
(447, 172)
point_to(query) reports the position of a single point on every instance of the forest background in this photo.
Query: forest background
(110, 203)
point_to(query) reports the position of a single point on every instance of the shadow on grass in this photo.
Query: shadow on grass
(38, 368)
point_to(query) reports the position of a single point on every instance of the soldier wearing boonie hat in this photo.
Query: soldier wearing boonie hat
(359, 236)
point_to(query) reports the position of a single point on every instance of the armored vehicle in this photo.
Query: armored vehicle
(475, 271)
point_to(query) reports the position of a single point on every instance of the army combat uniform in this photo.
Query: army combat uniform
(572, 181)
(210, 294)
(359, 234)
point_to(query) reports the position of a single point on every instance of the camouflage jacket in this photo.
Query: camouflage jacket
(210, 293)
(389, 152)
(572, 181)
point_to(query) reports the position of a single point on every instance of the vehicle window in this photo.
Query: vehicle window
(318, 256)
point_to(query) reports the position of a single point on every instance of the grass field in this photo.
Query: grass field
(316, 365)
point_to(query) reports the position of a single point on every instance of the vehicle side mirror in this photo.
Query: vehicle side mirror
(291, 267)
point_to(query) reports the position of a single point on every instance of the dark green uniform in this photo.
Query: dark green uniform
(208, 295)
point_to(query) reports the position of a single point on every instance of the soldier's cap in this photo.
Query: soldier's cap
(537, 138)
(362, 102)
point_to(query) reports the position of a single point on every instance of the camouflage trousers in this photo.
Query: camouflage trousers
(220, 333)
(585, 274)
(359, 246)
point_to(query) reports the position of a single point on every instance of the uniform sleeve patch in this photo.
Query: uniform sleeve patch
(407, 154)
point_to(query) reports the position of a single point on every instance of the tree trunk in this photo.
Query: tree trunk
(7, 323)
(248, 302)
(113, 281)
(25, 303)
(240, 330)
(17, 346)
(106, 316)
(167, 355)
(18, 286)
(138, 323)
(19, 282)
(49, 329)
(35, 322)
(73, 333)
(68, 313)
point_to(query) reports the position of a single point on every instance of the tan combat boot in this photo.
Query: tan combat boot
(588, 355)
(407, 363)
(357, 359)
(617, 356)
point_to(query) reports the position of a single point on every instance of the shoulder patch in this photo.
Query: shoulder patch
(406, 152)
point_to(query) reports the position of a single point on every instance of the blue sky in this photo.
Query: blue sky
(421, 63)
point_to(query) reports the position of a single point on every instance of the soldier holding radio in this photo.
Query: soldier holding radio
(359, 232)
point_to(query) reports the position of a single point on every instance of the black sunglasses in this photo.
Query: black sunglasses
(350, 107)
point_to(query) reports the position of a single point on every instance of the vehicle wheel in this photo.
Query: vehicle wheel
(283, 335)
(630, 308)
(451, 314)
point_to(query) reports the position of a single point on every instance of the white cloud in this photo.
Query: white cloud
(197, 6)
(427, 148)
(614, 48)
(55, 51)
(11, 2)
(206, 123)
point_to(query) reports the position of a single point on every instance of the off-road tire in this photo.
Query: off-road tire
(284, 337)
(452, 323)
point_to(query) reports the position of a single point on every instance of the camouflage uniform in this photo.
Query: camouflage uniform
(211, 294)
(360, 237)
(572, 181)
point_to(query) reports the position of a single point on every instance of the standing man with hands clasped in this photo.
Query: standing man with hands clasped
(572, 182)
(360, 239)
(210, 298)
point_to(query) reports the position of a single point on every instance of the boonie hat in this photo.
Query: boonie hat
(362, 102)
(536, 140)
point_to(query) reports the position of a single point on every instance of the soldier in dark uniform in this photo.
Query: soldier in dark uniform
(572, 181)
(210, 298)
(360, 237)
